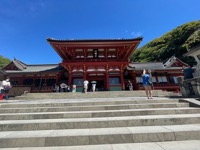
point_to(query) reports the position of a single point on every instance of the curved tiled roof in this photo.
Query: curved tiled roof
(24, 68)
(92, 40)
(37, 68)
(20, 65)
(171, 61)
(150, 65)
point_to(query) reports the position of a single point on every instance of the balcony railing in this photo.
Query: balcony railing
(42, 89)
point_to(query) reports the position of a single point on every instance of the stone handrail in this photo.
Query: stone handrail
(189, 87)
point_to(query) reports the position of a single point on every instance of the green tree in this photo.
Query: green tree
(193, 40)
(175, 42)
(4, 61)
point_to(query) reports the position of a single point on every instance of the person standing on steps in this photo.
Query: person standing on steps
(130, 86)
(85, 86)
(1, 87)
(6, 87)
(93, 85)
(147, 82)
(1, 91)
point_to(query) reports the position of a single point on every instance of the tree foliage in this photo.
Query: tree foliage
(176, 42)
(4, 61)
(193, 40)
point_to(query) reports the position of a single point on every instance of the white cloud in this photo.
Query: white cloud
(18, 9)
(36, 6)
(132, 34)
(136, 34)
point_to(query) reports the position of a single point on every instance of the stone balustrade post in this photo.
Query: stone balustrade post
(196, 87)
(184, 88)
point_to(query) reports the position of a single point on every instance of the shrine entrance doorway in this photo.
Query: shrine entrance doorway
(100, 83)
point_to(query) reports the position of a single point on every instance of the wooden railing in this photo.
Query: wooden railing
(42, 89)
(19, 90)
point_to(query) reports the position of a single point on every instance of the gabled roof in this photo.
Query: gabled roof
(24, 68)
(149, 65)
(15, 65)
(19, 64)
(170, 64)
(37, 69)
(172, 61)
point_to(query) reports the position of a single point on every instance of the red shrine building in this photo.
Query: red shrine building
(104, 61)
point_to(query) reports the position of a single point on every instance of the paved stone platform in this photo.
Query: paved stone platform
(172, 145)
(99, 94)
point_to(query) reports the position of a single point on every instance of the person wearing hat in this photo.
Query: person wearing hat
(6, 86)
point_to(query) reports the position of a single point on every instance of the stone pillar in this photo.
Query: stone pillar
(183, 87)
(196, 87)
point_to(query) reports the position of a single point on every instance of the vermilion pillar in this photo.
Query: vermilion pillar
(69, 78)
(84, 72)
(107, 80)
(133, 75)
(122, 79)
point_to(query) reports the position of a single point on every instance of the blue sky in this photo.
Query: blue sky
(26, 24)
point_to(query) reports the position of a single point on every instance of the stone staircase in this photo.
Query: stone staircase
(100, 124)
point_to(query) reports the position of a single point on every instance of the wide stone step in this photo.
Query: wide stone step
(91, 102)
(99, 94)
(45, 138)
(107, 122)
(93, 114)
(91, 108)
(170, 145)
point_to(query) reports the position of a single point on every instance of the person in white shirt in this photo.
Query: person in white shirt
(1, 87)
(63, 87)
(85, 86)
(93, 87)
(6, 87)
